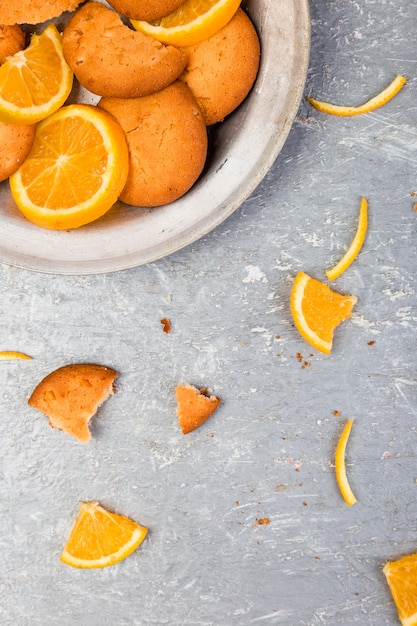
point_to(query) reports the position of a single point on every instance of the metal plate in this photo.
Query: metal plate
(242, 150)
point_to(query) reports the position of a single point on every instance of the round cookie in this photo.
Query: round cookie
(15, 144)
(222, 69)
(110, 59)
(147, 10)
(12, 40)
(167, 140)
(34, 11)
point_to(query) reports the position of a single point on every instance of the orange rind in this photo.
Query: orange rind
(340, 466)
(401, 577)
(100, 538)
(355, 246)
(376, 102)
(8, 355)
(317, 310)
(192, 22)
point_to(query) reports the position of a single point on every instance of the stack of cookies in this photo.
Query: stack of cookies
(164, 97)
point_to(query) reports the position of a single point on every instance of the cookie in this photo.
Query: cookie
(72, 394)
(110, 59)
(222, 69)
(12, 40)
(147, 10)
(34, 11)
(167, 141)
(15, 144)
(194, 406)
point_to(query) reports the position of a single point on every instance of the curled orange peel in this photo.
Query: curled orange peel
(378, 101)
(355, 246)
(9, 355)
(340, 466)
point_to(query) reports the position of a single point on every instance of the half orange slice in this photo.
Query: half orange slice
(317, 310)
(192, 22)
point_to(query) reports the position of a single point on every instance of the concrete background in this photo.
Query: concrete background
(267, 454)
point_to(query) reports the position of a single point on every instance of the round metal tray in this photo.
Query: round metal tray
(242, 150)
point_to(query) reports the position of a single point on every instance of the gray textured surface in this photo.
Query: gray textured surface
(268, 451)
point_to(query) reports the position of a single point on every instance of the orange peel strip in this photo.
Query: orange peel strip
(345, 111)
(355, 246)
(9, 355)
(340, 466)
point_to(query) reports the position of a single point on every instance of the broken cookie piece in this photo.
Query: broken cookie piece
(34, 11)
(194, 406)
(72, 394)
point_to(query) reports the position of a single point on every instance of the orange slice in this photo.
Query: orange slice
(376, 102)
(36, 81)
(192, 22)
(100, 538)
(401, 577)
(355, 246)
(76, 169)
(317, 310)
(6, 355)
(340, 466)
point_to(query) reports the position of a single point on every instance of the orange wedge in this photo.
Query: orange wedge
(355, 246)
(317, 310)
(340, 466)
(6, 355)
(401, 577)
(192, 22)
(100, 538)
(376, 102)
(36, 81)
(75, 171)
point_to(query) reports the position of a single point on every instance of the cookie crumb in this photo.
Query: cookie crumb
(166, 325)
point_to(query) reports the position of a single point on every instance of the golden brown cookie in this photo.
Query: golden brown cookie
(34, 11)
(15, 144)
(72, 394)
(222, 69)
(194, 406)
(147, 10)
(112, 60)
(12, 40)
(167, 140)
